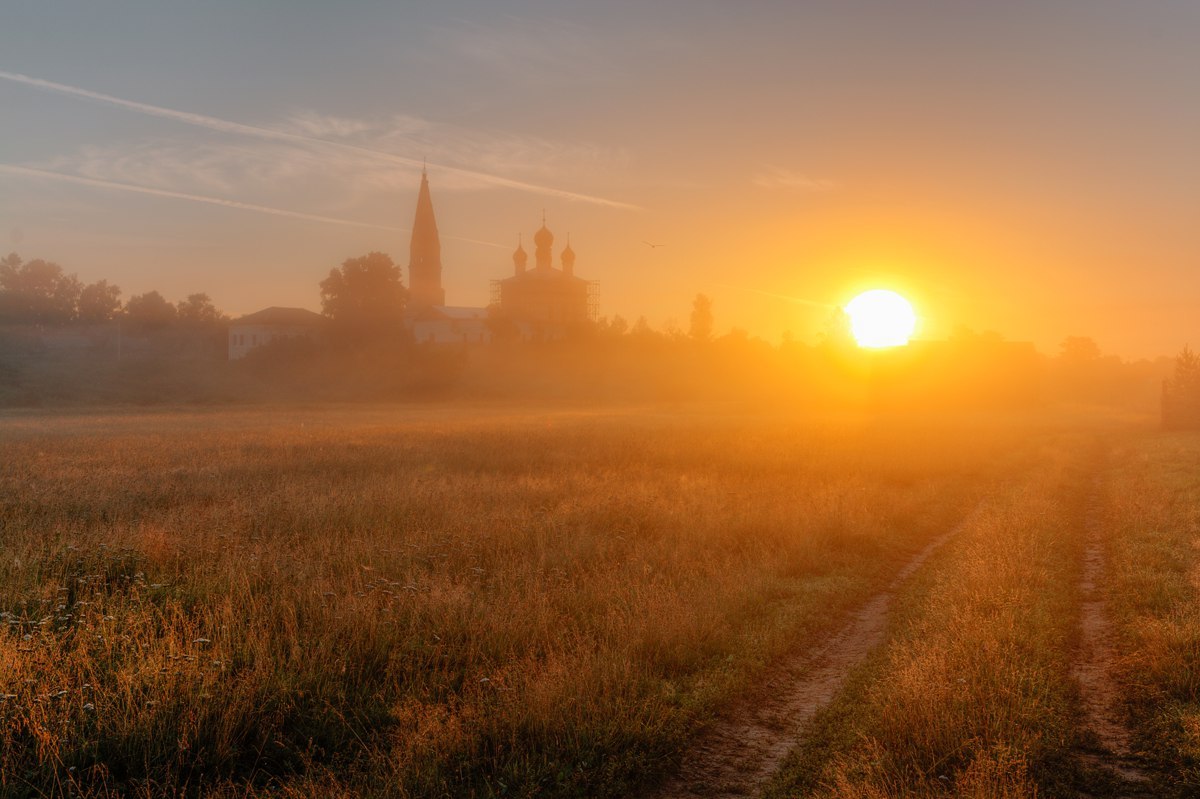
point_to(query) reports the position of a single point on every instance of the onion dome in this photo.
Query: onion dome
(543, 239)
(568, 256)
(519, 256)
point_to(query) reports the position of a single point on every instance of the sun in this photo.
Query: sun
(881, 318)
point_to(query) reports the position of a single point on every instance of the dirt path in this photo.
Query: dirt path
(1094, 667)
(740, 754)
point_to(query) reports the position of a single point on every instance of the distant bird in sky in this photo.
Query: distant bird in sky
(651, 246)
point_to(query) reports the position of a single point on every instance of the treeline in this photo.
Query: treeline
(39, 292)
(58, 345)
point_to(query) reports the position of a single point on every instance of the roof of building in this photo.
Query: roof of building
(543, 275)
(460, 312)
(425, 246)
(276, 315)
(447, 312)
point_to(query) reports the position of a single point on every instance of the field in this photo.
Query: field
(508, 601)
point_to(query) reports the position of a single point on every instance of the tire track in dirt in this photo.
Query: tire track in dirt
(1094, 666)
(739, 755)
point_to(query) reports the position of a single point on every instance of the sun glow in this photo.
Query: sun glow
(881, 318)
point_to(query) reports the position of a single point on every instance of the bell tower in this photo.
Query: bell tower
(425, 254)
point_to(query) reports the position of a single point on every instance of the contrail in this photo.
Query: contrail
(227, 126)
(797, 300)
(27, 171)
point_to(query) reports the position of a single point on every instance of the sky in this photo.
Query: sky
(1024, 167)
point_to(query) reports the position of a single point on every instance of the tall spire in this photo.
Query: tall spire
(425, 253)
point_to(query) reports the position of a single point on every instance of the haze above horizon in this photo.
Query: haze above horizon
(1021, 167)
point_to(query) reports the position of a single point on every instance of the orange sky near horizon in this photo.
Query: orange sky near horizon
(1027, 169)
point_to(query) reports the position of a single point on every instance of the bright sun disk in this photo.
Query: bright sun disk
(881, 318)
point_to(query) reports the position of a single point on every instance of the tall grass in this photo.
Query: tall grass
(972, 696)
(440, 603)
(1153, 536)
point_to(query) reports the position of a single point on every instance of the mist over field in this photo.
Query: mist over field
(667, 401)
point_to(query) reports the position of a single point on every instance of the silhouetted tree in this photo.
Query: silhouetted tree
(835, 333)
(1181, 392)
(99, 302)
(615, 327)
(365, 296)
(149, 311)
(198, 309)
(701, 327)
(501, 325)
(36, 291)
(1079, 350)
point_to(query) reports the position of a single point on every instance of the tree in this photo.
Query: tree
(365, 296)
(37, 291)
(1079, 350)
(835, 333)
(1181, 392)
(150, 311)
(615, 327)
(99, 302)
(198, 309)
(701, 327)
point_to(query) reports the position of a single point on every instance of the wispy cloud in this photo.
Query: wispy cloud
(325, 126)
(328, 126)
(779, 178)
(43, 174)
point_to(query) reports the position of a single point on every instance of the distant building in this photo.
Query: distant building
(544, 303)
(428, 318)
(271, 324)
(449, 325)
(425, 255)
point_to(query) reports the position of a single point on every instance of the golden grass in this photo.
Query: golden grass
(429, 602)
(1153, 539)
(972, 695)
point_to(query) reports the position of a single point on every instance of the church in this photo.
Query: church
(538, 304)
(544, 303)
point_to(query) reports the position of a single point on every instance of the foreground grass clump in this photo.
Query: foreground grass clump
(445, 603)
(972, 696)
(1152, 537)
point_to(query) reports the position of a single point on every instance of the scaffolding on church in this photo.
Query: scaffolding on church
(593, 300)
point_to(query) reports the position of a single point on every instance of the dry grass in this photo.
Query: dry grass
(438, 602)
(1153, 511)
(972, 696)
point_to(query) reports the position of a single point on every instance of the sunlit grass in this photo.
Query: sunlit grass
(318, 602)
(972, 696)
(1153, 537)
